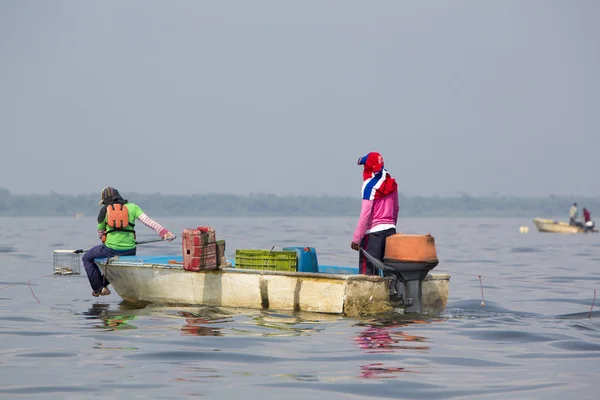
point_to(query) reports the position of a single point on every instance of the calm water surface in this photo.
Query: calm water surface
(534, 339)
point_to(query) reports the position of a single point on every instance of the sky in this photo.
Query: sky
(282, 97)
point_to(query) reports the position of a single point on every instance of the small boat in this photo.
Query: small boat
(548, 225)
(289, 280)
(333, 289)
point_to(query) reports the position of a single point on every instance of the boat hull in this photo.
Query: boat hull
(547, 225)
(349, 295)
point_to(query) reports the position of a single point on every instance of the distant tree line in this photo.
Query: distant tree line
(56, 204)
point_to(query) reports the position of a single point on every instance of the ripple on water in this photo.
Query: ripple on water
(509, 336)
(7, 249)
(47, 354)
(468, 362)
(471, 261)
(19, 318)
(525, 250)
(46, 389)
(33, 334)
(22, 256)
(577, 345)
(412, 388)
(209, 354)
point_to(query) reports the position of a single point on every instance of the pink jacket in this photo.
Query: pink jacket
(377, 212)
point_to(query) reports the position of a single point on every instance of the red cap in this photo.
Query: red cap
(372, 163)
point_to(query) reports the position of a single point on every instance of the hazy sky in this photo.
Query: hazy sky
(282, 97)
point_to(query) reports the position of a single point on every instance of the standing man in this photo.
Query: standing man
(573, 214)
(378, 214)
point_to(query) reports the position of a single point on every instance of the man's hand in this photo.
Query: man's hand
(354, 246)
(169, 237)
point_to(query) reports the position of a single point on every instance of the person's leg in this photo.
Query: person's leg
(364, 265)
(95, 277)
(387, 233)
(108, 252)
(374, 244)
(97, 281)
(377, 243)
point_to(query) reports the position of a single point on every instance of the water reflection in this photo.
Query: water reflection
(385, 335)
(379, 371)
(194, 325)
(292, 324)
(110, 320)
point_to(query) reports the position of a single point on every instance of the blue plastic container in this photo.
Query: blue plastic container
(307, 258)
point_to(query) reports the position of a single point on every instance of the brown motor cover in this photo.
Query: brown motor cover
(410, 248)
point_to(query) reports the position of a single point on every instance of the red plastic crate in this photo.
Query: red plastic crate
(212, 235)
(199, 250)
(201, 258)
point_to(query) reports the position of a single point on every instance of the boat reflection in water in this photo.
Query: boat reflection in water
(392, 334)
(387, 336)
(110, 320)
(195, 325)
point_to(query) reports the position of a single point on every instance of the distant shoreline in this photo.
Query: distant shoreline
(222, 205)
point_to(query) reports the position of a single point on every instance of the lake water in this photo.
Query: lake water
(535, 338)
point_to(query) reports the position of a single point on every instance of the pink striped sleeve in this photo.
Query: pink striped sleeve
(100, 233)
(155, 226)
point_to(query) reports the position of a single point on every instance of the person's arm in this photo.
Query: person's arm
(363, 221)
(152, 224)
(101, 229)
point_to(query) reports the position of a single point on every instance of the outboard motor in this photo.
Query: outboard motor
(411, 257)
(589, 226)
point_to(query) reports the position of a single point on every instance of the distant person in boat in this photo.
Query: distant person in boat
(573, 215)
(378, 214)
(116, 223)
(588, 224)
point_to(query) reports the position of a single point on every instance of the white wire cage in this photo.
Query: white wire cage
(67, 262)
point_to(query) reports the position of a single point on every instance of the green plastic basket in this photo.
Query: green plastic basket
(266, 260)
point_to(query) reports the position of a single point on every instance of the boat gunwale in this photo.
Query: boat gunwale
(319, 275)
(551, 222)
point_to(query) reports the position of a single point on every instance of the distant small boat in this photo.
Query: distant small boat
(548, 225)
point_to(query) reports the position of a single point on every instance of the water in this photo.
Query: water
(534, 339)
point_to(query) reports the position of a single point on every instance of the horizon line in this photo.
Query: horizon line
(401, 194)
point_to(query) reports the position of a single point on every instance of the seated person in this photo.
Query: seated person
(588, 224)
